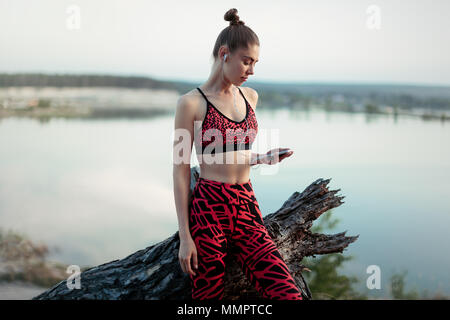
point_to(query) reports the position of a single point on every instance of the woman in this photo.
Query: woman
(223, 215)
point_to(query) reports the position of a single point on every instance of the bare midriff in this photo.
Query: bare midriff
(228, 167)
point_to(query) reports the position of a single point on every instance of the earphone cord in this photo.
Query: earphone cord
(234, 95)
(246, 122)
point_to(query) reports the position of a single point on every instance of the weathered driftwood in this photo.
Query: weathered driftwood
(155, 272)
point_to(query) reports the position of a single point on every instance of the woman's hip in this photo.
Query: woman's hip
(216, 192)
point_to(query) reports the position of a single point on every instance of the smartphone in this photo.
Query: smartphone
(279, 154)
(283, 152)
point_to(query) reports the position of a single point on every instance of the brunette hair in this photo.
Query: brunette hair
(236, 35)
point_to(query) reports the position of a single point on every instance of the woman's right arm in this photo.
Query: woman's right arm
(182, 147)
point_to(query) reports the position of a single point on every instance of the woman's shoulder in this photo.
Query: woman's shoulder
(251, 95)
(191, 97)
(190, 103)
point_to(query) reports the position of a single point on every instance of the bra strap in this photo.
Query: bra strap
(242, 95)
(203, 95)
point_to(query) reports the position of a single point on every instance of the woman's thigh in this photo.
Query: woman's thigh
(209, 227)
(259, 258)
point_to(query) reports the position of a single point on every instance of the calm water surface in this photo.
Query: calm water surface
(98, 190)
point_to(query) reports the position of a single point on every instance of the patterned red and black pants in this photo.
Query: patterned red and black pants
(224, 218)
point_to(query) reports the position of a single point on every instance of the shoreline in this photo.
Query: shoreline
(104, 113)
(80, 113)
(99, 102)
(19, 290)
(89, 102)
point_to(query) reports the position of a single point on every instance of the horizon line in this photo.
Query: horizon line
(262, 81)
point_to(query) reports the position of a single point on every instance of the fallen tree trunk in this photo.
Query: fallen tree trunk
(154, 272)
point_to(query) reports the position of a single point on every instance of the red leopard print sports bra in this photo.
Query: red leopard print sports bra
(221, 134)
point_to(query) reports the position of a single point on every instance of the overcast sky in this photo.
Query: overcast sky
(350, 41)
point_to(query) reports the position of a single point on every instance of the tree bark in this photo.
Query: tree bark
(154, 272)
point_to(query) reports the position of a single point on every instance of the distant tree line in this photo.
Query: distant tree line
(271, 95)
(66, 80)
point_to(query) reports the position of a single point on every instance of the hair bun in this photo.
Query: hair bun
(232, 16)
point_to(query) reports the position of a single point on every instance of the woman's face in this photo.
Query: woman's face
(241, 64)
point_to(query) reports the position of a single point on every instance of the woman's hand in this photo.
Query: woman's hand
(272, 156)
(186, 252)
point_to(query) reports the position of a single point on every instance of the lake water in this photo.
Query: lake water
(99, 190)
